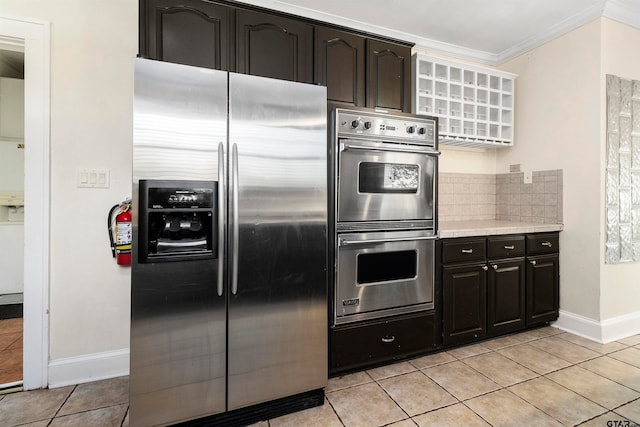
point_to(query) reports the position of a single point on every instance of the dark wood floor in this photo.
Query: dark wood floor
(10, 350)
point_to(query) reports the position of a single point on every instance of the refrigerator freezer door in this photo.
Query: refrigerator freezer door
(278, 314)
(178, 321)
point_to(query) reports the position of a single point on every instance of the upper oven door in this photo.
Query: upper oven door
(385, 181)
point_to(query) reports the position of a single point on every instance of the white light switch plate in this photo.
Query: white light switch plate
(93, 178)
(528, 177)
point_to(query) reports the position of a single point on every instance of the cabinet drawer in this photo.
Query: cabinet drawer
(361, 345)
(540, 244)
(463, 250)
(505, 247)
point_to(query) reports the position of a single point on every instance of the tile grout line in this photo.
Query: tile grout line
(63, 403)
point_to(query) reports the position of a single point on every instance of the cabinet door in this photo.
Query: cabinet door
(274, 46)
(340, 65)
(465, 303)
(506, 296)
(388, 76)
(543, 279)
(189, 32)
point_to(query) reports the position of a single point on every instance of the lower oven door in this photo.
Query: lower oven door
(385, 182)
(383, 273)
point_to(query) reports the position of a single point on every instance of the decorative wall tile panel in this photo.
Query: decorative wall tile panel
(635, 152)
(623, 171)
(625, 133)
(625, 98)
(613, 150)
(613, 190)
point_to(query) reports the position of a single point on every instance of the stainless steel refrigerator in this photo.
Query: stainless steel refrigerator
(229, 273)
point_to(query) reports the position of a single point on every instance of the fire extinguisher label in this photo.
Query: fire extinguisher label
(123, 233)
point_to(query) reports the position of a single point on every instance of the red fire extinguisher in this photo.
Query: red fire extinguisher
(122, 228)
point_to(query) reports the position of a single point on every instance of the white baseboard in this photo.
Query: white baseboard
(89, 367)
(620, 327)
(603, 331)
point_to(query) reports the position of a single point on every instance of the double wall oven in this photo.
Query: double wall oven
(385, 173)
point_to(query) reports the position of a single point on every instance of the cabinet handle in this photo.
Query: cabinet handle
(467, 251)
(510, 247)
(485, 268)
(388, 339)
(495, 267)
(533, 262)
(546, 243)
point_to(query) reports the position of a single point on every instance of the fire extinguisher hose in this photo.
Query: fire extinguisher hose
(110, 229)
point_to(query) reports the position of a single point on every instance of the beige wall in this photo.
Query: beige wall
(558, 127)
(93, 44)
(619, 282)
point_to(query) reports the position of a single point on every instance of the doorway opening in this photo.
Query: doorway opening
(32, 38)
(11, 217)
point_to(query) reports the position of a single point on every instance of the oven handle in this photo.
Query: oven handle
(397, 149)
(344, 242)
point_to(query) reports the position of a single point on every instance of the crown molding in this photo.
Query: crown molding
(624, 11)
(584, 17)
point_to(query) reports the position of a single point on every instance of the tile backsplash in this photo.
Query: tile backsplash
(504, 197)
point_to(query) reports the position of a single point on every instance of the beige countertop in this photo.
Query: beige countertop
(448, 229)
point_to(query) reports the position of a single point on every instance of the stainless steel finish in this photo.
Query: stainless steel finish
(509, 247)
(383, 298)
(278, 318)
(485, 268)
(235, 225)
(193, 352)
(178, 321)
(221, 217)
(386, 127)
(342, 241)
(467, 251)
(350, 227)
(354, 205)
(388, 340)
(353, 144)
(533, 262)
(546, 243)
(385, 173)
(495, 267)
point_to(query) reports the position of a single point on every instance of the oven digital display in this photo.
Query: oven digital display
(388, 178)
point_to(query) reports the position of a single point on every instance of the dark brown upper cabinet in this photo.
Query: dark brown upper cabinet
(340, 65)
(388, 76)
(190, 32)
(273, 46)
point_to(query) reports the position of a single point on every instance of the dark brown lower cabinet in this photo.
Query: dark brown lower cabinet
(506, 296)
(543, 299)
(498, 284)
(465, 303)
(374, 342)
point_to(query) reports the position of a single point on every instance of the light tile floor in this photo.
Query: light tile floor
(542, 377)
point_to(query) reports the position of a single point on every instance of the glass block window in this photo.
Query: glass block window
(623, 171)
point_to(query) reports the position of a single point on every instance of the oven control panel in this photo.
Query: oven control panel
(407, 129)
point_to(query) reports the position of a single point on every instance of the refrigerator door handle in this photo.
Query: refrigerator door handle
(234, 219)
(221, 213)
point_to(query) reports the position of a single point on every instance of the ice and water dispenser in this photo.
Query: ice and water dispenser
(177, 220)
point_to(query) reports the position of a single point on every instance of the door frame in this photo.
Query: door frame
(33, 38)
